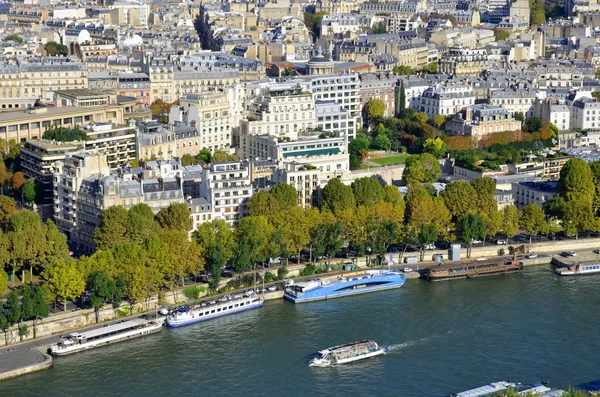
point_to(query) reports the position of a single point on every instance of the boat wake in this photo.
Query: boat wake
(399, 346)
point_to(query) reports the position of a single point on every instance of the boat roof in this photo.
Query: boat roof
(500, 261)
(347, 345)
(485, 390)
(111, 328)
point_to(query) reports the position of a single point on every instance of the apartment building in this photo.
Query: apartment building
(478, 121)
(227, 187)
(135, 85)
(381, 86)
(306, 180)
(585, 114)
(535, 192)
(211, 114)
(518, 100)
(284, 109)
(333, 117)
(462, 61)
(198, 81)
(162, 142)
(445, 99)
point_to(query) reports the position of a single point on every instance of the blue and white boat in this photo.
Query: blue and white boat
(185, 315)
(371, 281)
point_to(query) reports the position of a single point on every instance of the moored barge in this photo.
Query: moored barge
(473, 269)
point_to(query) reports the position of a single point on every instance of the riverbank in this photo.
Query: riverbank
(21, 360)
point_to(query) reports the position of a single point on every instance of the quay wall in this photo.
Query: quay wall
(45, 364)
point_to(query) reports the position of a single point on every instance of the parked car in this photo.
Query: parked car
(476, 241)
(250, 292)
(275, 261)
(271, 288)
(501, 242)
(597, 251)
(430, 247)
(410, 259)
(407, 270)
(481, 259)
(568, 254)
(572, 253)
(531, 256)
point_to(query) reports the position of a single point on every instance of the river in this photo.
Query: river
(444, 337)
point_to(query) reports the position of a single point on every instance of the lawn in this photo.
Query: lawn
(401, 158)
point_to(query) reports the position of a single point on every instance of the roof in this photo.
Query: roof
(111, 328)
(318, 152)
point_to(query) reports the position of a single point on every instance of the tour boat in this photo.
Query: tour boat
(472, 269)
(185, 315)
(344, 354)
(578, 269)
(494, 389)
(372, 280)
(112, 333)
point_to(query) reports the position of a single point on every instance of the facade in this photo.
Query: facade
(445, 99)
(380, 86)
(538, 193)
(227, 187)
(333, 117)
(135, 85)
(478, 121)
(464, 62)
(585, 114)
(514, 100)
(304, 178)
(163, 142)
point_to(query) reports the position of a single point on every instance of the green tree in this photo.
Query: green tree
(216, 261)
(41, 308)
(375, 109)
(501, 35)
(594, 167)
(576, 181)
(532, 220)
(100, 287)
(27, 240)
(13, 307)
(313, 22)
(486, 195)
(438, 120)
(140, 223)
(421, 118)
(537, 12)
(3, 277)
(53, 48)
(284, 196)
(205, 156)
(421, 169)
(113, 228)
(337, 196)
(137, 284)
(176, 217)
(459, 198)
(367, 191)
(4, 325)
(436, 147)
(392, 195)
(65, 282)
(29, 190)
(382, 142)
(533, 124)
(212, 233)
(327, 239)
(187, 159)
(403, 70)
(470, 226)
(401, 101)
(7, 206)
(379, 28)
(220, 155)
(261, 204)
(14, 37)
(427, 235)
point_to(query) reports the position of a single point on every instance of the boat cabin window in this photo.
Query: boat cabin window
(237, 304)
(230, 307)
(242, 304)
(212, 311)
(218, 310)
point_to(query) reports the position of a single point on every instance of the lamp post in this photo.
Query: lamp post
(368, 250)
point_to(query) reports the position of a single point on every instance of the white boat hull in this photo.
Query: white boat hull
(105, 341)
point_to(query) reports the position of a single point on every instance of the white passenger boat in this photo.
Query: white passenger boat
(486, 390)
(111, 333)
(185, 315)
(493, 389)
(577, 269)
(344, 354)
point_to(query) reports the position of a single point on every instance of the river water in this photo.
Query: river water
(444, 337)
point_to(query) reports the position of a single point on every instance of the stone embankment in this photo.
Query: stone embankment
(14, 363)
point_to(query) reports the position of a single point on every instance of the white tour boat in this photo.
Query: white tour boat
(184, 315)
(111, 333)
(344, 354)
(577, 269)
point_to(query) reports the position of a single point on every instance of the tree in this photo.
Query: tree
(313, 21)
(382, 142)
(576, 181)
(427, 235)
(175, 217)
(112, 230)
(187, 159)
(53, 49)
(537, 12)
(284, 196)
(99, 285)
(64, 280)
(595, 168)
(510, 221)
(401, 101)
(41, 309)
(14, 37)
(7, 206)
(13, 307)
(379, 28)
(137, 284)
(27, 305)
(62, 134)
(403, 70)
(212, 233)
(4, 325)
(327, 239)
(421, 118)
(501, 35)
(436, 147)
(220, 155)
(367, 191)
(533, 124)
(216, 261)
(3, 279)
(392, 195)
(337, 196)
(205, 156)
(375, 109)
(262, 204)
(532, 220)
(256, 231)
(486, 195)
(29, 190)
(140, 223)
(423, 168)
(470, 226)
(27, 241)
(17, 180)
(438, 120)
(459, 198)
